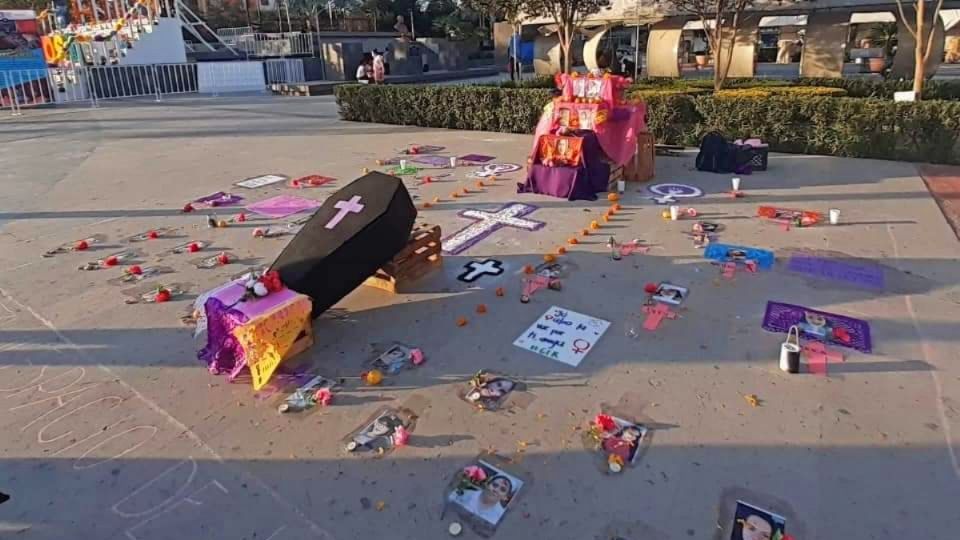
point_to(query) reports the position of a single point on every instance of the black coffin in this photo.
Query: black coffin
(344, 244)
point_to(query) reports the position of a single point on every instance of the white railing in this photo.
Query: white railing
(286, 70)
(89, 85)
(278, 44)
(230, 35)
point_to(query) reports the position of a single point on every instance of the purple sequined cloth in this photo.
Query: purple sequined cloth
(222, 353)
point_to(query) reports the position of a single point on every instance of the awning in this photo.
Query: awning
(875, 17)
(783, 20)
(18, 15)
(697, 25)
(951, 18)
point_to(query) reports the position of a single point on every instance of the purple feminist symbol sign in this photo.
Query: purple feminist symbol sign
(352, 206)
(486, 223)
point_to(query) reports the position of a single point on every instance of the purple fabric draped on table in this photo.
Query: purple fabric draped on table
(223, 353)
(225, 312)
(572, 183)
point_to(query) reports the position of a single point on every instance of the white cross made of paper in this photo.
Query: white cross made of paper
(352, 206)
(488, 222)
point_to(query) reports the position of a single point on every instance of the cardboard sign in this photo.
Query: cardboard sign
(260, 181)
(563, 335)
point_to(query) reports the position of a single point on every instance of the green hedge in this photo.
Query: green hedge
(855, 87)
(456, 107)
(853, 127)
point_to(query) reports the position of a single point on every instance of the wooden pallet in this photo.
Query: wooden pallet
(421, 255)
(304, 341)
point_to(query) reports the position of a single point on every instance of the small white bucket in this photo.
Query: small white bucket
(790, 351)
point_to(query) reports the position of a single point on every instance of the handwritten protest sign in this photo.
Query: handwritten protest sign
(563, 335)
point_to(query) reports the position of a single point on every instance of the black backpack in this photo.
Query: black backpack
(721, 156)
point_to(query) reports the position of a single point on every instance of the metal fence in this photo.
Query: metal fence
(26, 88)
(286, 70)
(230, 35)
(276, 44)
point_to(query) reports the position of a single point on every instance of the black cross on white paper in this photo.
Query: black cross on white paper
(474, 269)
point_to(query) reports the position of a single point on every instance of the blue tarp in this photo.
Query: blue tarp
(33, 63)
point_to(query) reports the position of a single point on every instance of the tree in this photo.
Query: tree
(308, 10)
(568, 16)
(721, 21)
(922, 37)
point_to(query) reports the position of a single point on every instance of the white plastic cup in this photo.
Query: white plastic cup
(834, 216)
(735, 183)
(453, 163)
(621, 186)
(403, 164)
(674, 213)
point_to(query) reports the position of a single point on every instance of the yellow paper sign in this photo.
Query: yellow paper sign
(267, 339)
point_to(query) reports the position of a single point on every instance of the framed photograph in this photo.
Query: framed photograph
(671, 294)
(491, 391)
(377, 433)
(484, 492)
(618, 440)
(752, 523)
(394, 360)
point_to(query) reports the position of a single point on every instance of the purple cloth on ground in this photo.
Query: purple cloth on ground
(220, 198)
(572, 183)
(436, 161)
(779, 317)
(861, 275)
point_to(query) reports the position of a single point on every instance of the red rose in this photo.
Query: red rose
(272, 281)
(605, 422)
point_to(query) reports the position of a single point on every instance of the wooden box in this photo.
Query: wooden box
(421, 255)
(641, 167)
(304, 340)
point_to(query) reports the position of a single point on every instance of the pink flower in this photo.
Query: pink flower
(400, 436)
(605, 422)
(324, 396)
(475, 474)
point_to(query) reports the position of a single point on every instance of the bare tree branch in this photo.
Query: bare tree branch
(906, 22)
(933, 32)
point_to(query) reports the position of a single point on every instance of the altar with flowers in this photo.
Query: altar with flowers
(585, 135)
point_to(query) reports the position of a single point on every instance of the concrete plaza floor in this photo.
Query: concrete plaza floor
(110, 427)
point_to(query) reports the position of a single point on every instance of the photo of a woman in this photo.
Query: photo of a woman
(752, 523)
(490, 501)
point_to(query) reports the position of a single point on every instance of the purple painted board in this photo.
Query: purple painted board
(475, 158)
(282, 206)
(821, 325)
(436, 161)
(866, 276)
(219, 198)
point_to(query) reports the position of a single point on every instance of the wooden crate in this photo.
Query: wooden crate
(641, 167)
(421, 255)
(304, 340)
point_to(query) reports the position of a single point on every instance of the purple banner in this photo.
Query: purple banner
(869, 277)
(820, 325)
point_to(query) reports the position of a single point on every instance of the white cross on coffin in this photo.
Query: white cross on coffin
(474, 269)
(351, 206)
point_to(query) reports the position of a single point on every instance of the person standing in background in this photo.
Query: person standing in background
(379, 69)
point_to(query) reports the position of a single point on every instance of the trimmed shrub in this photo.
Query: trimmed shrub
(789, 120)
(872, 88)
(781, 90)
(473, 108)
(869, 128)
